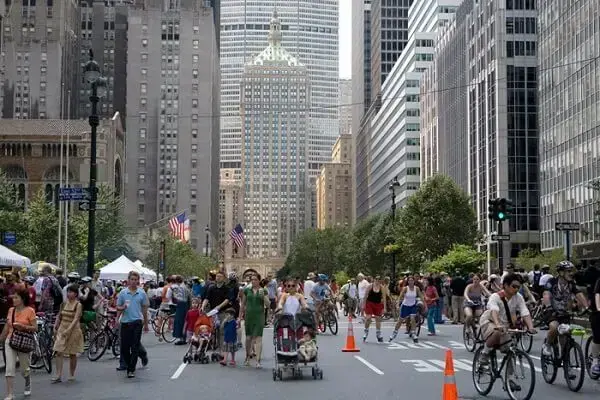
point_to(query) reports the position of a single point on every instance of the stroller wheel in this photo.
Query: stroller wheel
(312, 371)
(274, 374)
(185, 359)
(320, 374)
(280, 374)
(196, 358)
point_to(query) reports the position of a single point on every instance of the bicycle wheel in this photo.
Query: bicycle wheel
(116, 345)
(418, 323)
(35, 358)
(167, 329)
(480, 371)
(321, 324)
(97, 346)
(549, 368)
(332, 323)
(573, 366)
(469, 338)
(518, 365)
(46, 353)
(589, 359)
(525, 342)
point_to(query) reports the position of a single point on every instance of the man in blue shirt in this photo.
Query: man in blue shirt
(197, 287)
(133, 304)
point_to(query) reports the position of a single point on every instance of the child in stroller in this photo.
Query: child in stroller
(200, 340)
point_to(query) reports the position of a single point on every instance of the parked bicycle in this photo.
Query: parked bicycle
(42, 354)
(107, 338)
(515, 365)
(568, 355)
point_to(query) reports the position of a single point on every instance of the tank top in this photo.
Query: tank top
(475, 294)
(291, 305)
(375, 296)
(410, 297)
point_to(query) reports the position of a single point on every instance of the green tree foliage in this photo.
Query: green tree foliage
(438, 216)
(180, 258)
(462, 258)
(528, 258)
(40, 239)
(8, 195)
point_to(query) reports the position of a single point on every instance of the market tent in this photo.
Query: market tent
(9, 258)
(119, 269)
(149, 275)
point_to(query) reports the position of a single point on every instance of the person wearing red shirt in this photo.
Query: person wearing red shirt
(190, 319)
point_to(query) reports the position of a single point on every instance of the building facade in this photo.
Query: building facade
(104, 31)
(501, 113)
(231, 212)
(30, 155)
(311, 35)
(569, 122)
(334, 187)
(40, 59)
(345, 97)
(173, 115)
(275, 92)
(394, 130)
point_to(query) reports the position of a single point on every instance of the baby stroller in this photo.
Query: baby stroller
(287, 332)
(204, 340)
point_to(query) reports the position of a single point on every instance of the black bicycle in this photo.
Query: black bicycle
(472, 335)
(42, 354)
(589, 360)
(515, 365)
(107, 338)
(569, 356)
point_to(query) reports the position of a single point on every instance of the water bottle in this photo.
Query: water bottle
(563, 329)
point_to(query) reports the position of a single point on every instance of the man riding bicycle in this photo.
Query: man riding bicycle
(500, 315)
(561, 290)
(319, 293)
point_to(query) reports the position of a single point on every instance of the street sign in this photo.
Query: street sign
(566, 226)
(73, 194)
(500, 238)
(85, 206)
(9, 238)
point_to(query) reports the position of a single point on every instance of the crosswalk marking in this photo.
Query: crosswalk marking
(458, 364)
(421, 365)
(424, 345)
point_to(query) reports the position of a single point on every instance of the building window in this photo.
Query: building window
(196, 44)
(145, 43)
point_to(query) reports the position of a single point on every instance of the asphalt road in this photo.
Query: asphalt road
(379, 371)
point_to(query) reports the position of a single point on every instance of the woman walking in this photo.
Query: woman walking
(69, 337)
(17, 335)
(431, 301)
(254, 300)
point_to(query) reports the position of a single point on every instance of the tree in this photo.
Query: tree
(462, 258)
(180, 258)
(40, 241)
(528, 258)
(438, 216)
(9, 201)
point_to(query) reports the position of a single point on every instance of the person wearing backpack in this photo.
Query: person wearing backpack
(534, 278)
(50, 298)
(181, 298)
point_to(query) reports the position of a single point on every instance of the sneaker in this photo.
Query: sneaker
(131, 374)
(27, 391)
(380, 339)
(145, 361)
(595, 370)
(547, 350)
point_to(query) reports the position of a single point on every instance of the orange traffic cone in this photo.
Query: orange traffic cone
(350, 342)
(450, 392)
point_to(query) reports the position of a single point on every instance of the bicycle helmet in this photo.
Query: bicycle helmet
(564, 266)
(73, 276)
(323, 277)
(29, 279)
(86, 279)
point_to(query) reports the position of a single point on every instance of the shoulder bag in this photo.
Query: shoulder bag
(20, 341)
(507, 311)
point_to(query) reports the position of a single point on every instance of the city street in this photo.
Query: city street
(379, 371)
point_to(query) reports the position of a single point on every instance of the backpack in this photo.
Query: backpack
(536, 278)
(178, 294)
(56, 292)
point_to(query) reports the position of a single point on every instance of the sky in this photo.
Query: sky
(345, 32)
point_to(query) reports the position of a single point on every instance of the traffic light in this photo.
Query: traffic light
(505, 210)
(493, 209)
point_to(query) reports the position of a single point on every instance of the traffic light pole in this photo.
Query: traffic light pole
(500, 247)
(568, 245)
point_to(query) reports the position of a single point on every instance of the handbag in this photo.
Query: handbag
(22, 342)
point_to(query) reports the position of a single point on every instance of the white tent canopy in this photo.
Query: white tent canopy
(148, 273)
(119, 269)
(9, 258)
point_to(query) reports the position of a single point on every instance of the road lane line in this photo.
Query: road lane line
(436, 345)
(179, 371)
(457, 364)
(369, 365)
(422, 366)
(535, 357)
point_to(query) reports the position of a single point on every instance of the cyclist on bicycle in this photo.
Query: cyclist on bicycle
(319, 294)
(474, 293)
(500, 315)
(561, 291)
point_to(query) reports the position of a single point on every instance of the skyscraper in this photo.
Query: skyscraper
(311, 35)
(569, 89)
(172, 114)
(275, 94)
(41, 64)
(345, 106)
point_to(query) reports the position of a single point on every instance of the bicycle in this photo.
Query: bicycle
(42, 354)
(513, 356)
(561, 357)
(524, 341)
(472, 335)
(328, 318)
(107, 338)
(589, 360)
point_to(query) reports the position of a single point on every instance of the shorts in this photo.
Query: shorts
(272, 304)
(407, 311)
(374, 309)
(489, 328)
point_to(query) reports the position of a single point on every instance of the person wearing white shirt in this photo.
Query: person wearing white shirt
(546, 276)
(495, 321)
(351, 297)
(363, 285)
(309, 285)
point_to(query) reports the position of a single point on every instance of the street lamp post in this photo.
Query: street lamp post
(98, 85)
(393, 185)
(207, 231)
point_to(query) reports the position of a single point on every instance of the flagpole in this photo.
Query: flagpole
(67, 208)
(60, 179)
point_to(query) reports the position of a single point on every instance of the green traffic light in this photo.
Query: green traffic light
(501, 216)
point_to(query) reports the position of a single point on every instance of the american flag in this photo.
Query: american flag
(237, 235)
(177, 226)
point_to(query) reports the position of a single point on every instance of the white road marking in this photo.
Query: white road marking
(369, 365)
(535, 357)
(396, 346)
(422, 366)
(179, 371)
(456, 345)
(458, 364)
(436, 345)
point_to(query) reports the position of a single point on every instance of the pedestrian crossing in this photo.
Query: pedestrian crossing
(433, 365)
